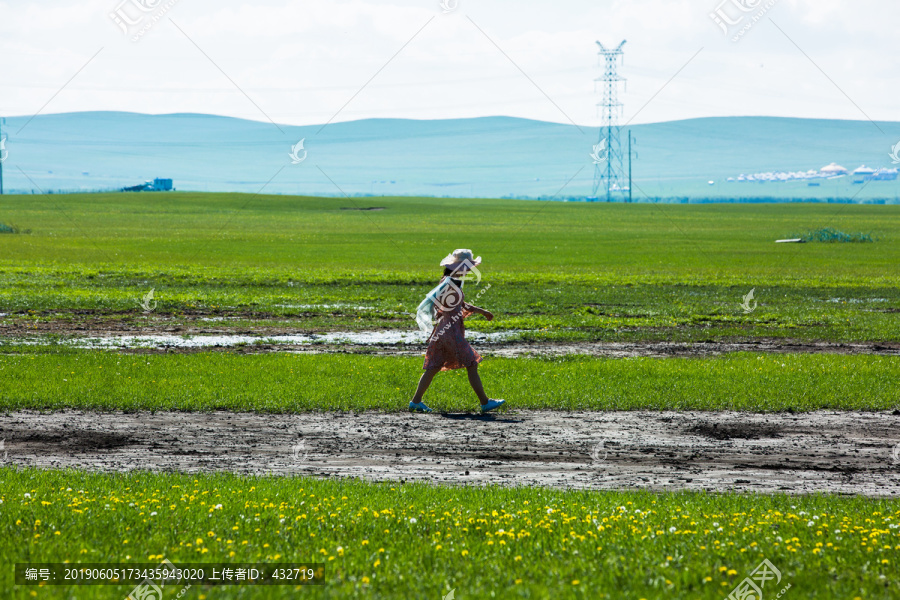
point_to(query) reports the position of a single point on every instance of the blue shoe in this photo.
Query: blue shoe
(419, 407)
(491, 405)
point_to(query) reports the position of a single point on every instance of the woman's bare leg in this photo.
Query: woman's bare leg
(475, 382)
(424, 382)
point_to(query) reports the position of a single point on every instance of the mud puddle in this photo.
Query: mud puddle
(359, 338)
(407, 342)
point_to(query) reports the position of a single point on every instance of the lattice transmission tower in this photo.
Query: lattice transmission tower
(609, 175)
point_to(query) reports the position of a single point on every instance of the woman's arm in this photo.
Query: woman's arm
(474, 309)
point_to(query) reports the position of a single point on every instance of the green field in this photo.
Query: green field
(419, 541)
(558, 271)
(49, 378)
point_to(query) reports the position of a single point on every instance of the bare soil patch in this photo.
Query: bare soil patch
(825, 451)
(91, 326)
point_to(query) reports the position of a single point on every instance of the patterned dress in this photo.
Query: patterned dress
(447, 345)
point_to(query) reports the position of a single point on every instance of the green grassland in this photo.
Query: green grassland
(420, 541)
(54, 378)
(564, 271)
(557, 271)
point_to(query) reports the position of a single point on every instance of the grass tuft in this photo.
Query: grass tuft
(831, 235)
(4, 228)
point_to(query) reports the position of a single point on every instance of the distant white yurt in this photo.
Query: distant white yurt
(864, 171)
(885, 175)
(833, 169)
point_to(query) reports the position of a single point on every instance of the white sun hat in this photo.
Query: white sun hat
(458, 258)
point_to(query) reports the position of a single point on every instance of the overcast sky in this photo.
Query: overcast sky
(309, 61)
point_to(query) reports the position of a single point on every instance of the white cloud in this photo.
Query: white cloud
(301, 61)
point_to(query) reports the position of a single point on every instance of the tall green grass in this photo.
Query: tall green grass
(101, 380)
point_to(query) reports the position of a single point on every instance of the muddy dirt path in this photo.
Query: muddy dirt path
(689, 349)
(127, 332)
(838, 452)
(598, 349)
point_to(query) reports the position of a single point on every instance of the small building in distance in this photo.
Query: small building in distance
(157, 185)
(886, 175)
(833, 171)
(865, 173)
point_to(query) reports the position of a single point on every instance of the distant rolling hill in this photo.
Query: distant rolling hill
(481, 157)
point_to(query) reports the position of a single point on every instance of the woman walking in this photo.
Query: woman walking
(447, 345)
